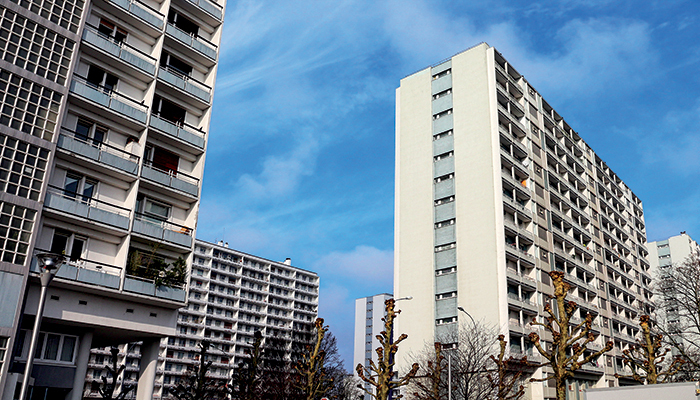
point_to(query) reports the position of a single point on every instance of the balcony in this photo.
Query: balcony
(85, 271)
(196, 44)
(120, 50)
(171, 179)
(523, 254)
(92, 210)
(182, 131)
(188, 85)
(141, 12)
(147, 287)
(162, 230)
(207, 9)
(114, 101)
(100, 153)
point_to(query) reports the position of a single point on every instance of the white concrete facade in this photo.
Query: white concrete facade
(105, 109)
(493, 190)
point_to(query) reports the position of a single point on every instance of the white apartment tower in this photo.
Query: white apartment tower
(104, 114)
(493, 190)
(674, 250)
(369, 312)
(231, 296)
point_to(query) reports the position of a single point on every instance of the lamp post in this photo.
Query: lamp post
(49, 264)
(449, 359)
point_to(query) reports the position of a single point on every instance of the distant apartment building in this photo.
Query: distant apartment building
(494, 189)
(231, 296)
(674, 250)
(104, 114)
(369, 312)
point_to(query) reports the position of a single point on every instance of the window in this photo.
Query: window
(162, 159)
(182, 23)
(110, 30)
(98, 78)
(65, 242)
(22, 167)
(77, 184)
(90, 132)
(66, 13)
(152, 210)
(16, 224)
(168, 110)
(170, 62)
(28, 106)
(50, 347)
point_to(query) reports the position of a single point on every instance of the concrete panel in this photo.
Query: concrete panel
(444, 189)
(10, 287)
(444, 235)
(177, 237)
(98, 278)
(139, 286)
(174, 130)
(108, 218)
(441, 84)
(444, 123)
(170, 293)
(445, 259)
(444, 103)
(445, 283)
(66, 205)
(444, 166)
(446, 308)
(445, 332)
(443, 145)
(446, 211)
(442, 67)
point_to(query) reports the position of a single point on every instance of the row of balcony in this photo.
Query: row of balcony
(154, 19)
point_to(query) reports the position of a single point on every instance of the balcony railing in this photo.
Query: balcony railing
(91, 209)
(201, 45)
(110, 99)
(120, 50)
(214, 9)
(86, 271)
(186, 83)
(173, 179)
(183, 131)
(162, 230)
(98, 151)
(142, 11)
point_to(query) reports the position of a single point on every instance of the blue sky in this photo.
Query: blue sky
(300, 160)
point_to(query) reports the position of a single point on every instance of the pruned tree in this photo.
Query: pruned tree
(380, 374)
(311, 376)
(110, 385)
(678, 299)
(646, 357)
(196, 385)
(569, 343)
(246, 379)
(507, 377)
(431, 386)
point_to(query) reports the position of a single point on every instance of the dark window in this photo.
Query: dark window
(183, 23)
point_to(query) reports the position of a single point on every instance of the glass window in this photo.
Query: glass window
(68, 348)
(51, 351)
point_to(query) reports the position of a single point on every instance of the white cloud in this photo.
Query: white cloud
(366, 264)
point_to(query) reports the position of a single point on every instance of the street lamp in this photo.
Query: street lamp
(49, 264)
(404, 298)
(449, 359)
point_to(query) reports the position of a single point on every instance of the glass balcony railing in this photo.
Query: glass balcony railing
(188, 133)
(91, 209)
(209, 7)
(141, 11)
(197, 43)
(162, 230)
(101, 153)
(172, 179)
(110, 99)
(186, 83)
(120, 50)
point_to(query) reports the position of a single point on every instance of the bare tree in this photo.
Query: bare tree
(506, 380)
(246, 380)
(431, 385)
(196, 385)
(647, 357)
(311, 372)
(381, 374)
(113, 371)
(678, 299)
(568, 347)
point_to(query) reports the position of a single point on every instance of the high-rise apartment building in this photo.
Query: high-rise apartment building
(231, 296)
(104, 113)
(493, 190)
(674, 250)
(369, 312)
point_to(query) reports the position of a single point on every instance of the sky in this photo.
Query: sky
(300, 159)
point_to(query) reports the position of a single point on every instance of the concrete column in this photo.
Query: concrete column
(81, 362)
(147, 369)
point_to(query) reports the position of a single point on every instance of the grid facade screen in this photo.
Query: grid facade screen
(29, 45)
(28, 106)
(16, 225)
(22, 168)
(65, 13)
